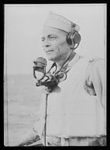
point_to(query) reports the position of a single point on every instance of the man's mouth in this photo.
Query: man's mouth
(49, 51)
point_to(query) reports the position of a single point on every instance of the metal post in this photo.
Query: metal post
(45, 126)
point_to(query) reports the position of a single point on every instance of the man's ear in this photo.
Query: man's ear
(71, 46)
(74, 46)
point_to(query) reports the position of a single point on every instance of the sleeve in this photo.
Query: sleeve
(39, 124)
(96, 76)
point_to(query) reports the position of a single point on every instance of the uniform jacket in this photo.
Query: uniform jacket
(77, 106)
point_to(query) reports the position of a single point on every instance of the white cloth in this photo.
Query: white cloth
(71, 110)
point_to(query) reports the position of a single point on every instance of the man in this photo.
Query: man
(76, 107)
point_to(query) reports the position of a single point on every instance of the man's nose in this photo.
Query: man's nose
(46, 43)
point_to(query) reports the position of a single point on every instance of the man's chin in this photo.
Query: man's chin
(51, 58)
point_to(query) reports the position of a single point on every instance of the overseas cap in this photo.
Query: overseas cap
(60, 22)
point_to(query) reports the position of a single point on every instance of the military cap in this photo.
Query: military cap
(60, 22)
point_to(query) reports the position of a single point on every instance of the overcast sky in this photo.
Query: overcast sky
(23, 31)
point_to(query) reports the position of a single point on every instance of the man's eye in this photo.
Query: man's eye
(52, 37)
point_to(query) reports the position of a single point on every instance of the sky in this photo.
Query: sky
(23, 32)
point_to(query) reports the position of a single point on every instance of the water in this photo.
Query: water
(21, 106)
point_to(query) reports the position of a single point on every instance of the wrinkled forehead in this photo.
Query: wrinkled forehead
(51, 30)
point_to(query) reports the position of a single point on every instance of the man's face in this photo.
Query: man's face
(54, 44)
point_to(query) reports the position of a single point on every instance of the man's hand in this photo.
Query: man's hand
(30, 139)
